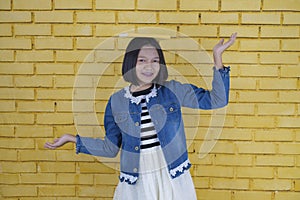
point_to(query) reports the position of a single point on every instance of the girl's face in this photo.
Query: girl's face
(147, 66)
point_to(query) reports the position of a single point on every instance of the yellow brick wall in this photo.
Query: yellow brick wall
(47, 46)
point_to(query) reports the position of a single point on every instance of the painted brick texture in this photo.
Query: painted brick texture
(60, 60)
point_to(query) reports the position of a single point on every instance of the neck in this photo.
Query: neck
(137, 88)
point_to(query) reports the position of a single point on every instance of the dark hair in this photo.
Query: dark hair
(130, 60)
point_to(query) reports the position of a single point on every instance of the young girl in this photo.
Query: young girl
(144, 120)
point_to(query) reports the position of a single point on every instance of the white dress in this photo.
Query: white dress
(154, 181)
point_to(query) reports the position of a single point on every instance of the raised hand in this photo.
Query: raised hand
(220, 47)
(60, 141)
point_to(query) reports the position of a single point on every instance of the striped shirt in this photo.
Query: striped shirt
(149, 137)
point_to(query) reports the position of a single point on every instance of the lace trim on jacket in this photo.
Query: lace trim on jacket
(128, 178)
(180, 169)
(138, 99)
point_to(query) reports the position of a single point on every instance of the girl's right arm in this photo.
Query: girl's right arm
(66, 138)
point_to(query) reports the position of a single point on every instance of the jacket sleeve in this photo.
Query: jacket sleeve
(107, 147)
(195, 97)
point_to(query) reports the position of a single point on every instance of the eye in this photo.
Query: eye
(156, 60)
(141, 60)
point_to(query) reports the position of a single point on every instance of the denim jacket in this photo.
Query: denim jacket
(123, 117)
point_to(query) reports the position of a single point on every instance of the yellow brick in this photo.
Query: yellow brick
(289, 122)
(275, 160)
(39, 178)
(7, 81)
(233, 160)
(115, 5)
(109, 179)
(108, 56)
(15, 93)
(72, 30)
(34, 81)
(6, 55)
(260, 45)
(14, 43)
(69, 155)
(179, 44)
(41, 106)
(214, 171)
(240, 57)
(238, 134)
(7, 106)
(57, 190)
(297, 185)
(261, 96)
(16, 68)
(279, 58)
(54, 68)
(5, 5)
(214, 194)
(287, 195)
(82, 106)
(198, 5)
(273, 134)
(279, 32)
(94, 43)
(12, 118)
(255, 172)
(34, 131)
(75, 56)
(5, 30)
(219, 18)
(68, 81)
(96, 191)
(35, 56)
(289, 148)
(239, 184)
(252, 121)
(33, 29)
(289, 96)
(178, 18)
(281, 5)
(258, 71)
(291, 18)
(272, 184)
(290, 44)
(201, 182)
(53, 43)
(156, 5)
(9, 178)
(243, 31)
(256, 147)
(81, 179)
(240, 109)
(95, 17)
(261, 18)
(17, 143)
(73, 4)
(54, 118)
(243, 83)
(28, 155)
(6, 131)
(95, 168)
(111, 30)
(250, 195)
(54, 94)
(56, 167)
(19, 191)
(18, 167)
(8, 155)
(32, 5)
(291, 173)
(53, 16)
(137, 17)
(276, 109)
(15, 16)
(199, 31)
(282, 84)
(234, 5)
